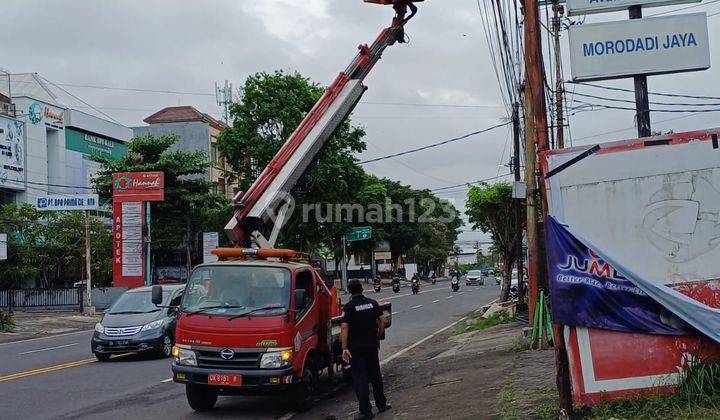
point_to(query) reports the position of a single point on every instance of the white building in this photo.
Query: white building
(53, 156)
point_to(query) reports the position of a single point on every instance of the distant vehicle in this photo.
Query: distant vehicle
(513, 279)
(474, 278)
(133, 324)
(486, 272)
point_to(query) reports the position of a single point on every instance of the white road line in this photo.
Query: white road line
(417, 343)
(49, 348)
(416, 306)
(43, 338)
(396, 312)
(461, 293)
(164, 381)
(450, 297)
(435, 301)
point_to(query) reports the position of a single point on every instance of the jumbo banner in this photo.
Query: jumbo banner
(589, 292)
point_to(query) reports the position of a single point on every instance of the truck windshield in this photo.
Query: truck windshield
(236, 290)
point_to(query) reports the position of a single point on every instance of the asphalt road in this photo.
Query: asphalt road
(58, 377)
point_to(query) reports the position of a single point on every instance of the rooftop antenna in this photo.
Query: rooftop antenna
(224, 97)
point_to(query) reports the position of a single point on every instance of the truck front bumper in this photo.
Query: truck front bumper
(253, 380)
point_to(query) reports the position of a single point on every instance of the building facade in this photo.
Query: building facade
(195, 131)
(52, 145)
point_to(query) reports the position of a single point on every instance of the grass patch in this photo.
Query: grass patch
(521, 344)
(480, 323)
(697, 397)
(506, 401)
(6, 321)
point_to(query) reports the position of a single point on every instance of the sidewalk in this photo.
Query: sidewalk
(40, 324)
(474, 375)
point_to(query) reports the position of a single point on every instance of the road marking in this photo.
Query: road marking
(396, 312)
(383, 299)
(44, 338)
(461, 293)
(48, 369)
(416, 306)
(417, 343)
(436, 301)
(164, 381)
(450, 297)
(49, 348)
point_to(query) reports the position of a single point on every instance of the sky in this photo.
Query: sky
(186, 46)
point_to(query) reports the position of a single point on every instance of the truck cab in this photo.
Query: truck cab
(254, 326)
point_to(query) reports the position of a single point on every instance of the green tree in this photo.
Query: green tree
(48, 248)
(273, 105)
(491, 209)
(189, 205)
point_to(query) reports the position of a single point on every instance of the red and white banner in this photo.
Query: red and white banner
(128, 244)
(138, 186)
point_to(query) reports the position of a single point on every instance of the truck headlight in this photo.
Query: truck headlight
(276, 359)
(99, 328)
(153, 325)
(184, 356)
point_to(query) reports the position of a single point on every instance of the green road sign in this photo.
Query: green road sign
(359, 234)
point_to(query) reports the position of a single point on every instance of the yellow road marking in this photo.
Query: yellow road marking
(48, 369)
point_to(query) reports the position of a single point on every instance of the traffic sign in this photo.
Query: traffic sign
(359, 234)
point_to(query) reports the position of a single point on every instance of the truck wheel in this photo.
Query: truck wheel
(201, 398)
(305, 390)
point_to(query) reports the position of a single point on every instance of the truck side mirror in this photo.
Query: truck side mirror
(157, 295)
(300, 296)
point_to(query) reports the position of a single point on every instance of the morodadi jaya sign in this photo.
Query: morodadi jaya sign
(660, 45)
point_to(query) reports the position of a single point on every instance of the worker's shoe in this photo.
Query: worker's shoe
(385, 408)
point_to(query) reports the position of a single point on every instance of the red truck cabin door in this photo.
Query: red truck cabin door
(306, 320)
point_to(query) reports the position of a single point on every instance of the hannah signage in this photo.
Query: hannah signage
(586, 7)
(667, 44)
(138, 186)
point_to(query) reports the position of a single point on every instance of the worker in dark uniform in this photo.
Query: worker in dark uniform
(362, 328)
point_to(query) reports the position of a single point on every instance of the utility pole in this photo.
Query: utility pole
(344, 278)
(642, 101)
(535, 89)
(518, 209)
(530, 206)
(559, 85)
(89, 308)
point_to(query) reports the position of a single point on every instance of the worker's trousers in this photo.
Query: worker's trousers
(366, 370)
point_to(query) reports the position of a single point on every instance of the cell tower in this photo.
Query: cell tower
(224, 97)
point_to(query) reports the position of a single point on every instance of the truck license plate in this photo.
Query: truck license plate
(222, 379)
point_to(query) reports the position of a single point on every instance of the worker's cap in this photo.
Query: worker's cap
(355, 287)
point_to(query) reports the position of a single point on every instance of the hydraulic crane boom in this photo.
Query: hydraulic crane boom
(254, 206)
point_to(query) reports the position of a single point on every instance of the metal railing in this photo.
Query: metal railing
(70, 298)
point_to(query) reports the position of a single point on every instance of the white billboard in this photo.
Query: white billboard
(12, 154)
(67, 202)
(586, 7)
(659, 45)
(211, 240)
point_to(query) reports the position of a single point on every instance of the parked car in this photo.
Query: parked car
(133, 324)
(474, 278)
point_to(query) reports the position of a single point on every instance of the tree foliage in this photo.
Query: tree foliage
(48, 248)
(491, 209)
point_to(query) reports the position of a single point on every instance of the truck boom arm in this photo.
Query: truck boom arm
(274, 184)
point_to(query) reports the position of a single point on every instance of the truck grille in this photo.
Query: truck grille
(122, 331)
(242, 359)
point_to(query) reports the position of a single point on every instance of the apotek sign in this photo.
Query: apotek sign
(643, 46)
(138, 186)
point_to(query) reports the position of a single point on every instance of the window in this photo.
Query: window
(221, 186)
(304, 281)
(214, 153)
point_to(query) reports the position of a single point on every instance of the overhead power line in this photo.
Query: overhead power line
(442, 143)
(670, 95)
(652, 110)
(470, 183)
(707, 3)
(651, 102)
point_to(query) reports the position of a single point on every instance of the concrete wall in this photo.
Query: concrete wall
(192, 136)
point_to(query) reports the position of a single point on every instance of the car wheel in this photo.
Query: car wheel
(102, 357)
(166, 345)
(201, 398)
(305, 390)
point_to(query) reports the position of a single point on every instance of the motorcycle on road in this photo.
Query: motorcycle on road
(377, 285)
(455, 284)
(415, 286)
(396, 284)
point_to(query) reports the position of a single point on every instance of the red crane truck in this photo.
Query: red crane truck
(260, 320)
